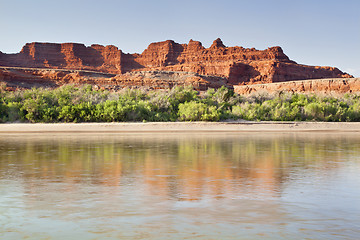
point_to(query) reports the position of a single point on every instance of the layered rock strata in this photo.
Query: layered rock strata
(22, 78)
(238, 65)
(327, 86)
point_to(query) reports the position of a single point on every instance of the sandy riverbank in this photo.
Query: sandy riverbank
(180, 127)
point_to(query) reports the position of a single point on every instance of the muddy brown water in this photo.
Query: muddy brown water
(180, 186)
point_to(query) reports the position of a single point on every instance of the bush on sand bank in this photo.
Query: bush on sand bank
(84, 104)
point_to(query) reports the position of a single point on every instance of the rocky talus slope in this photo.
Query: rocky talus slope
(17, 77)
(330, 85)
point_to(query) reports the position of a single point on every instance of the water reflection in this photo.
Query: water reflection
(227, 186)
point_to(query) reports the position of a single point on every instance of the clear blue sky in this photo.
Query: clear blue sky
(312, 32)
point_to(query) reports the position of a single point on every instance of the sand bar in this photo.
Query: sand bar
(243, 126)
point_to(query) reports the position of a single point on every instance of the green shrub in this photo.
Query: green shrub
(84, 104)
(197, 111)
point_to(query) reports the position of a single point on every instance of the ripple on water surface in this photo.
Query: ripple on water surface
(178, 186)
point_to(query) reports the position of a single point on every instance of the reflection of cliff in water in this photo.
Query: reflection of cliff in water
(178, 167)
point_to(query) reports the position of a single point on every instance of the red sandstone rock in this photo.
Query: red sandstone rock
(240, 66)
(332, 85)
(66, 56)
(17, 78)
(34, 77)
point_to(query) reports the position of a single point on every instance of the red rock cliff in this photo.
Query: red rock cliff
(67, 56)
(237, 64)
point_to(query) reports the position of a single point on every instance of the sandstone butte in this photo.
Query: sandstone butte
(161, 65)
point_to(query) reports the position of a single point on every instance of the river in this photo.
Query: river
(180, 186)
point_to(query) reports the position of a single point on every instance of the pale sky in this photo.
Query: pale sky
(312, 32)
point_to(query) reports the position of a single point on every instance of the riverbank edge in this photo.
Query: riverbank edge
(188, 127)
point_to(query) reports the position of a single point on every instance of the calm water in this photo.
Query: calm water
(173, 186)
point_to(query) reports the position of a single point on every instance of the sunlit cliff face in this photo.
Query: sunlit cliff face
(238, 65)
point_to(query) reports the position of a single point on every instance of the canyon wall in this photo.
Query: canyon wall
(66, 56)
(240, 66)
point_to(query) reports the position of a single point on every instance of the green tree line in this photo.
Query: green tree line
(84, 104)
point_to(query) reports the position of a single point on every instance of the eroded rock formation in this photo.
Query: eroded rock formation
(327, 86)
(66, 56)
(240, 66)
(19, 78)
